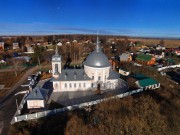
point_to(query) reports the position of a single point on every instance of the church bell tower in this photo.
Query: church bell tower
(56, 64)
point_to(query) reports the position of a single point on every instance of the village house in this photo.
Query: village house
(37, 98)
(1, 46)
(158, 54)
(124, 72)
(145, 82)
(15, 46)
(145, 59)
(177, 51)
(125, 57)
(148, 83)
(159, 47)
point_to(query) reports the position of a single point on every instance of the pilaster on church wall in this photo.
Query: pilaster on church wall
(90, 71)
(53, 68)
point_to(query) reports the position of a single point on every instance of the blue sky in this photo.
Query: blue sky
(157, 18)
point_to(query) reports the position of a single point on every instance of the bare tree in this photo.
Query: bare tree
(161, 42)
(15, 65)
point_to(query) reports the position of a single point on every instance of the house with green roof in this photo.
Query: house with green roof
(143, 81)
(146, 59)
(147, 83)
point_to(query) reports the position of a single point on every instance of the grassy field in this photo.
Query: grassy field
(170, 43)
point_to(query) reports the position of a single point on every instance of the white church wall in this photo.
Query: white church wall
(71, 85)
(56, 86)
(112, 84)
(96, 72)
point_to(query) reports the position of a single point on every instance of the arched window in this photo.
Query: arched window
(65, 85)
(99, 78)
(56, 86)
(74, 85)
(79, 85)
(70, 85)
(91, 85)
(84, 85)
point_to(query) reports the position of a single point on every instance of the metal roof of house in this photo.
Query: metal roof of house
(72, 75)
(37, 94)
(144, 57)
(124, 56)
(170, 60)
(147, 82)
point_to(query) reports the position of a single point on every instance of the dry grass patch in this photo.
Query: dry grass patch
(8, 79)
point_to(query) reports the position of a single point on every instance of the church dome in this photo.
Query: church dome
(97, 58)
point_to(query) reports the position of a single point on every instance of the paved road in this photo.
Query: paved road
(8, 103)
(8, 108)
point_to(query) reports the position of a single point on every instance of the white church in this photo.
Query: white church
(97, 71)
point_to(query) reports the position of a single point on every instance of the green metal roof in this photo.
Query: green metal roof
(170, 60)
(147, 82)
(144, 57)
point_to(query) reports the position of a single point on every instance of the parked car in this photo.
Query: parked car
(31, 77)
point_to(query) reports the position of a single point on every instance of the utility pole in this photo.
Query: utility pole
(17, 106)
(39, 63)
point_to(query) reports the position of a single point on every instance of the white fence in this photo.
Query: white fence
(173, 66)
(21, 105)
(68, 108)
